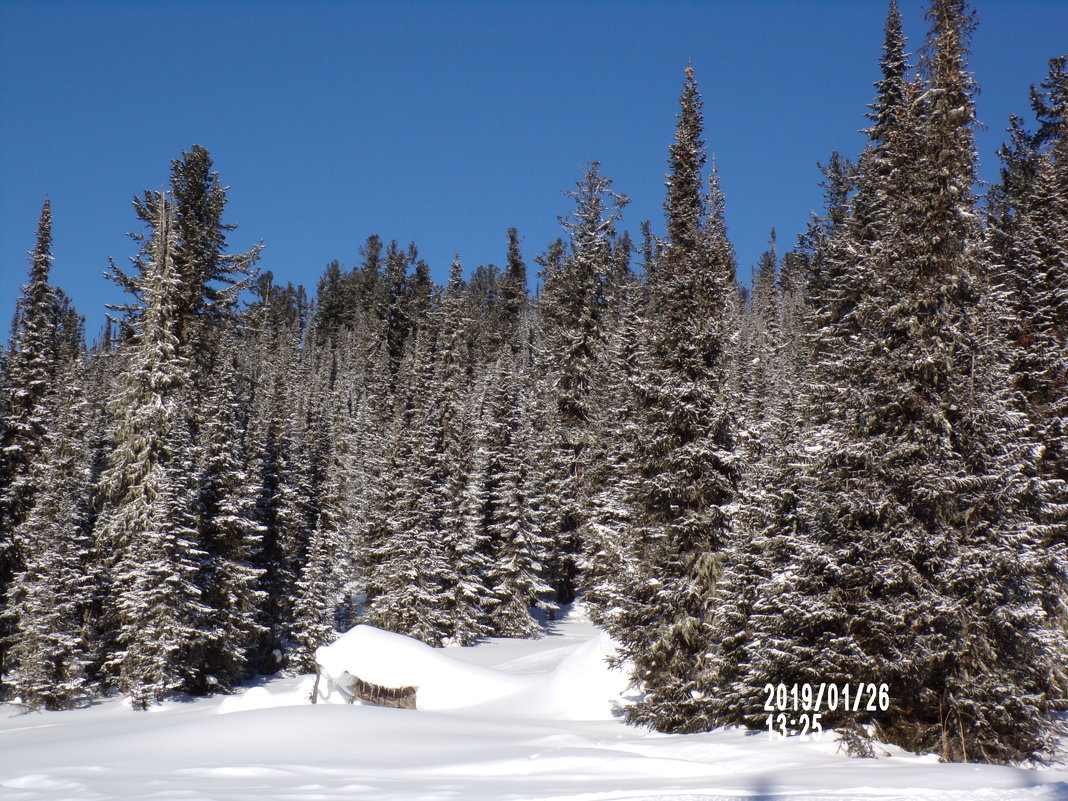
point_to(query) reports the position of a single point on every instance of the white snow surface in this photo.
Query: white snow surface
(507, 720)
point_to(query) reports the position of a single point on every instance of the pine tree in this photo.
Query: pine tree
(154, 606)
(514, 298)
(687, 464)
(230, 535)
(329, 568)
(506, 507)
(283, 506)
(451, 395)
(610, 565)
(209, 281)
(411, 574)
(909, 541)
(50, 600)
(1029, 216)
(573, 331)
(39, 347)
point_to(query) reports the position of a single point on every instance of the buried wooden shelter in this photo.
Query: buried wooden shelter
(353, 688)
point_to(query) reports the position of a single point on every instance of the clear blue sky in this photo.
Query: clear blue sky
(443, 123)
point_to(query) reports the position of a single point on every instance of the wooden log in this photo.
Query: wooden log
(377, 694)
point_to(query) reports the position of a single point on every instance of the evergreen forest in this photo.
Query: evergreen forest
(853, 468)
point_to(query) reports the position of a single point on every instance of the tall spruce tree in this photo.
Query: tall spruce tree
(154, 607)
(45, 336)
(1029, 243)
(573, 331)
(915, 561)
(412, 572)
(686, 453)
(209, 281)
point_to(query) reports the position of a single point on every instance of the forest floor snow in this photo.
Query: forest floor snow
(506, 720)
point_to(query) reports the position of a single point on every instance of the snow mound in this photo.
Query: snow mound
(581, 687)
(287, 692)
(393, 660)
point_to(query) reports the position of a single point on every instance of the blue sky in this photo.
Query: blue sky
(443, 123)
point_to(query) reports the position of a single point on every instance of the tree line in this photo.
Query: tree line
(854, 470)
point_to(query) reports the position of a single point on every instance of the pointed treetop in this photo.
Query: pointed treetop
(456, 277)
(41, 255)
(1050, 104)
(38, 296)
(945, 54)
(716, 222)
(684, 204)
(517, 270)
(891, 88)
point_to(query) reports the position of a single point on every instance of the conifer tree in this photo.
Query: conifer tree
(910, 541)
(573, 331)
(506, 507)
(1028, 236)
(450, 403)
(610, 566)
(209, 281)
(51, 598)
(513, 289)
(329, 572)
(687, 464)
(411, 574)
(154, 606)
(283, 505)
(37, 350)
(229, 534)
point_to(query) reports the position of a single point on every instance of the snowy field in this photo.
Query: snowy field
(504, 721)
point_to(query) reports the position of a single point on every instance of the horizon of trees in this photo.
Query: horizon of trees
(855, 470)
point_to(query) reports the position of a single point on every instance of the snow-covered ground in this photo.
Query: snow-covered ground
(503, 721)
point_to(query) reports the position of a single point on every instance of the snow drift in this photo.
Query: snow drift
(581, 687)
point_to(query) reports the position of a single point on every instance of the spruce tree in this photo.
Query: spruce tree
(506, 506)
(451, 406)
(1027, 241)
(573, 331)
(283, 505)
(686, 454)
(910, 541)
(411, 573)
(610, 565)
(154, 608)
(37, 350)
(51, 599)
(209, 281)
(229, 534)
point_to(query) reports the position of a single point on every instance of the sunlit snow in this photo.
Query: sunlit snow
(503, 721)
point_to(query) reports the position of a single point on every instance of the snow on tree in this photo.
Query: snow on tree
(154, 605)
(229, 534)
(911, 553)
(687, 466)
(514, 573)
(46, 334)
(573, 329)
(51, 598)
(412, 571)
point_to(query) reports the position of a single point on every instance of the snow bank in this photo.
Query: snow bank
(286, 692)
(393, 660)
(535, 729)
(580, 687)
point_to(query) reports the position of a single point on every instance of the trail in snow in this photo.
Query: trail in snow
(503, 721)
